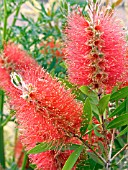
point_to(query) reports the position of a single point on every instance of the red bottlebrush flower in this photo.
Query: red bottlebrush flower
(95, 50)
(6, 84)
(34, 128)
(18, 57)
(77, 49)
(45, 110)
(47, 93)
(51, 160)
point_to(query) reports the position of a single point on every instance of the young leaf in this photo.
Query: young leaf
(122, 93)
(127, 105)
(119, 121)
(72, 159)
(103, 103)
(93, 128)
(95, 109)
(42, 147)
(78, 93)
(97, 133)
(119, 110)
(87, 116)
(92, 96)
(125, 130)
(86, 90)
(68, 147)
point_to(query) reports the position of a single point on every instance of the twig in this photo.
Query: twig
(2, 150)
(123, 157)
(105, 136)
(5, 21)
(24, 161)
(119, 152)
(87, 145)
(15, 17)
(8, 119)
(111, 145)
(110, 151)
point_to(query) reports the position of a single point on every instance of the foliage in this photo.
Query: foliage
(103, 137)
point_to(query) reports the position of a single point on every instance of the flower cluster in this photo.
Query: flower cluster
(45, 111)
(95, 49)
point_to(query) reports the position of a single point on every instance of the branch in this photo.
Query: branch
(108, 164)
(87, 145)
(15, 18)
(119, 152)
(105, 136)
(111, 145)
(5, 22)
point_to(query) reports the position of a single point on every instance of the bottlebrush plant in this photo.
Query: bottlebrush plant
(80, 122)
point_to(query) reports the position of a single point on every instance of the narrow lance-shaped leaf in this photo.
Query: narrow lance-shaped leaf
(119, 110)
(95, 158)
(92, 96)
(125, 130)
(87, 116)
(72, 159)
(127, 105)
(42, 147)
(78, 93)
(86, 90)
(122, 93)
(103, 103)
(119, 121)
(93, 128)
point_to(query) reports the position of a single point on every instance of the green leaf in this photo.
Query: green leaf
(122, 93)
(95, 158)
(86, 117)
(33, 166)
(122, 132)
(119, 121)
(92, 96)
(86, 90)
(88, 164)
(103, 103)
(95, 109)
(127, 105)
(42, 147)
(75, 90)
(73, 158)
(119, 110)
(97, 133)
(63, 64)
(78, 2)
(93, 128)
(14, 166)
(68, 147)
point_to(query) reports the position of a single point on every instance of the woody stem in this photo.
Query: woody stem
(87, 145)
